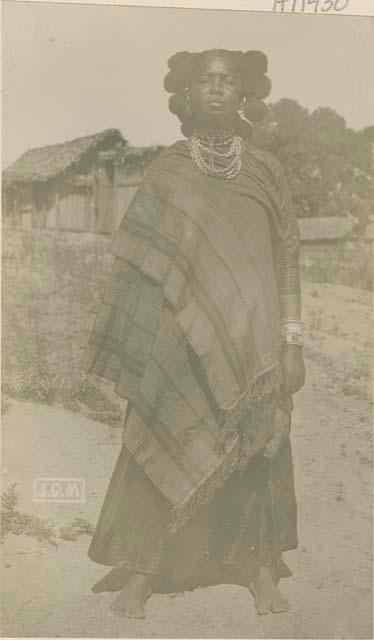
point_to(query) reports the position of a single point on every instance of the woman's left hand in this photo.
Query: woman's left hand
(293, 367)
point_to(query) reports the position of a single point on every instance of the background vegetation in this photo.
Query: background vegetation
(329, 166)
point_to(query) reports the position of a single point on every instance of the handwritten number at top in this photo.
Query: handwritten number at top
(324, 6)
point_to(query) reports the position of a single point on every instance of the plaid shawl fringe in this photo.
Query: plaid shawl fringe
(264, 385)
(256, 408)
(205, 492)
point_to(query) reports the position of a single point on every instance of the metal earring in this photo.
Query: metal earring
(188, 104)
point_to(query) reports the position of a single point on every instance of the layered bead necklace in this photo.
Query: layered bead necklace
(217, 155)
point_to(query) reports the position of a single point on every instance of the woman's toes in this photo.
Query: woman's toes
(139, 613)
(262, 609)
(280, 605)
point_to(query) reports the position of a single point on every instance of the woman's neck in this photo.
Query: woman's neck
(215, 126)
(216, 135)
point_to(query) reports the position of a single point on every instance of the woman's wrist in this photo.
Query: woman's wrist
(290, 306)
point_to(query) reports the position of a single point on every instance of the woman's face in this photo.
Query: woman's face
(216, 92)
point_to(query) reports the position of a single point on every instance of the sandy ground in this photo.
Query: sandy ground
(46, 588)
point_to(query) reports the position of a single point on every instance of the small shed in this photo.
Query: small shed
(84, 184)
(326, 230)
(323, 238)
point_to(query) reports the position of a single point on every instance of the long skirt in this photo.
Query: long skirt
(249, 523)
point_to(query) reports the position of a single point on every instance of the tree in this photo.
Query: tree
(329, 166)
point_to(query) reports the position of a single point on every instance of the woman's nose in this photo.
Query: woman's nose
(216, 86)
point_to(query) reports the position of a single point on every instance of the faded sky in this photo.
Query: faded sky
(71, 70)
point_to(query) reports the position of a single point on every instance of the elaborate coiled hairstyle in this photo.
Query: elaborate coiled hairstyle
(252, 66)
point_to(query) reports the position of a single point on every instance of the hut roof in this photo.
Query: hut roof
(328, 229)
(44, 163)
(137, 157)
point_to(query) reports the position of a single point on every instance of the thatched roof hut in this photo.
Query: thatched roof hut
(83, 184)
(44, 163)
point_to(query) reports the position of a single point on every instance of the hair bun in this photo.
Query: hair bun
(174, 82)
(187, 128)
(178, 104)
(260, 86)
(255, 62)
(182, 61)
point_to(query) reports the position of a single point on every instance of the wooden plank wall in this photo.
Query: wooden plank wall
(97, 210)
(125, 188)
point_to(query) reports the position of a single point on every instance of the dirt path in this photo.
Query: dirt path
(46, 589)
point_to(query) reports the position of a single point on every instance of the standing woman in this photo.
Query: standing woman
(200, 330)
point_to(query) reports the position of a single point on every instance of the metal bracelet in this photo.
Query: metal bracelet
(293, 338)
(291, 330)
(297, 321)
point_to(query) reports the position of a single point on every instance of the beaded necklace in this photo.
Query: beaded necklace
(217, 155)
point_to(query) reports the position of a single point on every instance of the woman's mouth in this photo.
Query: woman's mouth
(215, 104)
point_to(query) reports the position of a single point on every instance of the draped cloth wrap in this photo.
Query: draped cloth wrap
(196, 272)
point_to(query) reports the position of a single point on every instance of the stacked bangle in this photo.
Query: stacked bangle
(293, 338)
(292, 331)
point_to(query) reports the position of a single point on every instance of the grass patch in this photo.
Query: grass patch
(19, 523)
(43, 530)
(52, 287)
(76, 528)
(5, 405)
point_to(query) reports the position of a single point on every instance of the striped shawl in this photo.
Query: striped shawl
(188, 329)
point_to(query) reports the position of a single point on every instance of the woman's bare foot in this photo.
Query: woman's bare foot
(131, 600)
(267, 595)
